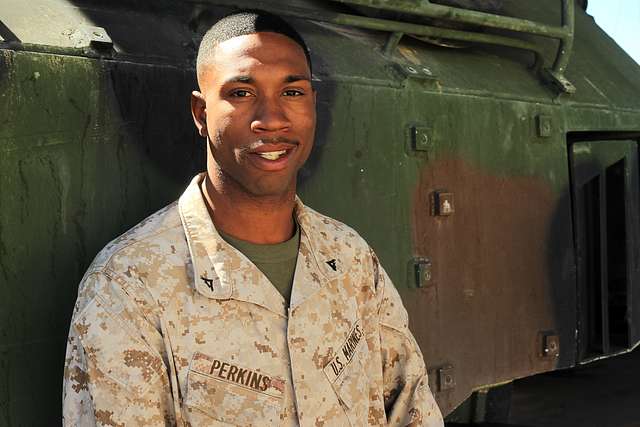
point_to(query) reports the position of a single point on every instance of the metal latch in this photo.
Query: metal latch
(442, 378)
(442, 203)
(550, 345)
(422, 272)
(421, 138)
(544, 126)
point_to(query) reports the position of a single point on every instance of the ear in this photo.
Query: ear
(199, 112)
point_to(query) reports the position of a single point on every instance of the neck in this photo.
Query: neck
(260, 220)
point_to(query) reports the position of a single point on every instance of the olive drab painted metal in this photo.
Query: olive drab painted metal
(523, 274)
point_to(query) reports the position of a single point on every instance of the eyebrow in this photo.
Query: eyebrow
(240, 79)
(250, 80)
(296, 78)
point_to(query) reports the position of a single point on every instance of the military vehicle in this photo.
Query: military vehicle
(487, 150)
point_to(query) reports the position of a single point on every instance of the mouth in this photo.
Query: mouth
(272, 155)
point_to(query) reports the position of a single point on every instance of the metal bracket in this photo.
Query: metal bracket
(442, 203)
(392, 42)
(95, 37)
(418, 73)
(442, 378)
(421, 138)
(420, 270)
(544, 126)
(559, 81)
(6, 35)
(549, 345)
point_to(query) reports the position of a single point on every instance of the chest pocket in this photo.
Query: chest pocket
(231, 394)
(347, 372)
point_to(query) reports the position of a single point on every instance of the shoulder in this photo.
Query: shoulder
(156, 235)
(332, 230)
(150, 247)
(335, 241)
(118, 278)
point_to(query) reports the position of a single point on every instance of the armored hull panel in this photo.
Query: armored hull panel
(504, 209)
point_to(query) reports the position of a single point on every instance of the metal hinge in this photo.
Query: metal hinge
(419, 73)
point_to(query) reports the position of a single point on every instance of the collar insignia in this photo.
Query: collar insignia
(208, 282)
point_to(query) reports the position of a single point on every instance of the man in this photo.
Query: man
(238, 304)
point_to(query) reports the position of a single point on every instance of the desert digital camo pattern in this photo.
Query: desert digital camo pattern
(173, 326)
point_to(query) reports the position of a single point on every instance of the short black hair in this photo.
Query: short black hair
(242, 23)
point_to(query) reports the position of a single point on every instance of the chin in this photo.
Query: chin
(272, 189)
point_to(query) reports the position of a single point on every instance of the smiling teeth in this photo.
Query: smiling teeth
(272, 155)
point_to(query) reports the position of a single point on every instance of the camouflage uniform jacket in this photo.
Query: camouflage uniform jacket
(173, 326)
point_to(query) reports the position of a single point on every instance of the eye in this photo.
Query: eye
(240, 93)
(292, 92)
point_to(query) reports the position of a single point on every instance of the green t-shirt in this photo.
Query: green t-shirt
(277, 261)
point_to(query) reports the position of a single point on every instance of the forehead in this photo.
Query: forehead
(260, 50)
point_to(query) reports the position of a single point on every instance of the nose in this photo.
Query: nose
(270, 116)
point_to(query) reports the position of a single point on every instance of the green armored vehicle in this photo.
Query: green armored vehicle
(487, 150)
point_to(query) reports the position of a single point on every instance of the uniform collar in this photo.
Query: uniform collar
(319, 257)
(222, 272)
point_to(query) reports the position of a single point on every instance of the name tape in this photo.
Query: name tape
(234, 374)
(334, 369)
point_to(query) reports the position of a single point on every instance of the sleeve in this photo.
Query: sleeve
(407, 397)
(115, 374)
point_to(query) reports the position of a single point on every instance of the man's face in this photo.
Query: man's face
(258, 109)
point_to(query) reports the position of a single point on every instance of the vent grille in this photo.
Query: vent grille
(604, 176)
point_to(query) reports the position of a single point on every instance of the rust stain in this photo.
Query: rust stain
(490, 277)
